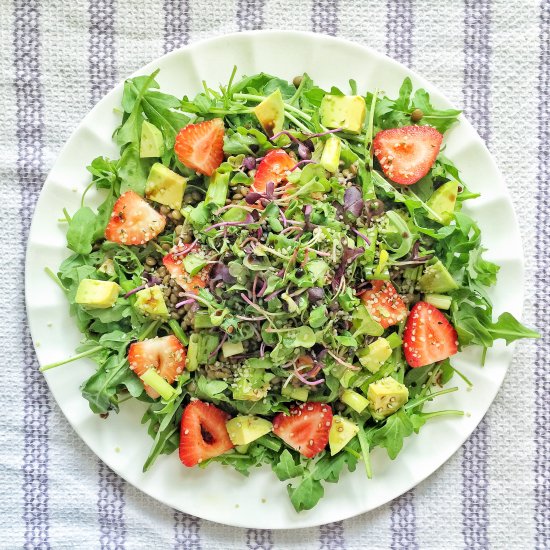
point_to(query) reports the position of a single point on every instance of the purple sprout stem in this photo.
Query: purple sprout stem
(219, 346)
(298, 164)
(306, 381)
(184, 302)
(364, 237)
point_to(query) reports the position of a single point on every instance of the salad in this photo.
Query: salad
(281, 273)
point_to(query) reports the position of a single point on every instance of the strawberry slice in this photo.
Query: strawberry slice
(203, 433)
(133, 221)
(166, 355)
(174, 264)
(274, 167)
(306, 429)
(384, 304)
(428, 336)
(200, 146)
(407, 154)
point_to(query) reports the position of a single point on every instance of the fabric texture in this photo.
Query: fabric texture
(491, 57)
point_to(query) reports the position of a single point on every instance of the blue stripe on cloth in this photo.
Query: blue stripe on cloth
(177, 24)
(110, 504)
(259, 539)
(542, 373)
(399, 30)
(324, 17)
(477, 74)
(30, 176)
(399, 45)
(250, 15)
(102, 68)
(187, 532)
(101, 55)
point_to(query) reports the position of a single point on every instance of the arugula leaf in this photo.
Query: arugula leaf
(510, 329)
(307, 494)
(286, 467)
(80, 234)
(398, 426)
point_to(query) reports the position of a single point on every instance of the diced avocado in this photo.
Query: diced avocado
(193, 352)
(271, 113)
(354, 400)
(242, 449)
(153, 379)
(363, 323)
(251, 384)
(165, 186)
(375, 355)
(341, 433)
(193, 263)
(386, 396)
(440, 301)
(443, 201)
(218, 188)
(96, 294)
(232, 348)
(346, 112)
(151, 143)
(331, 154)
(107, 267)
(298, 394)
(436, 279)
(243, 430)
(150, 301)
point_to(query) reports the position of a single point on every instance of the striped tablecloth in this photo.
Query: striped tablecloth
(58, 58)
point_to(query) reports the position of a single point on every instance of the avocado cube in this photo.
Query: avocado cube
(232, 348)
(375, 355)
(298, 394)
(150, 302)
(331, 154)
(151, 143)
(341, 433)
(97, 294)
(271, 113)
(354, 400)
(107, 267)
(443, 202)
(386, 396)
(243, 430)
(165, 186)
(436, 279)
(347, 112)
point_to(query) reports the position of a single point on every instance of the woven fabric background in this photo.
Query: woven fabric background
(58, 58)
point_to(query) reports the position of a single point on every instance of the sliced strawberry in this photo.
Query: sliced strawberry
(407, 154)
(428, 336)
(203, 433)
(166, 355)
(200, 146)
(274, 167)
(133, 221)
(174, 264)
(385, 305)
(306, 429)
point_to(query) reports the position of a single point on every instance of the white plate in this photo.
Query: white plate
(217, 493)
